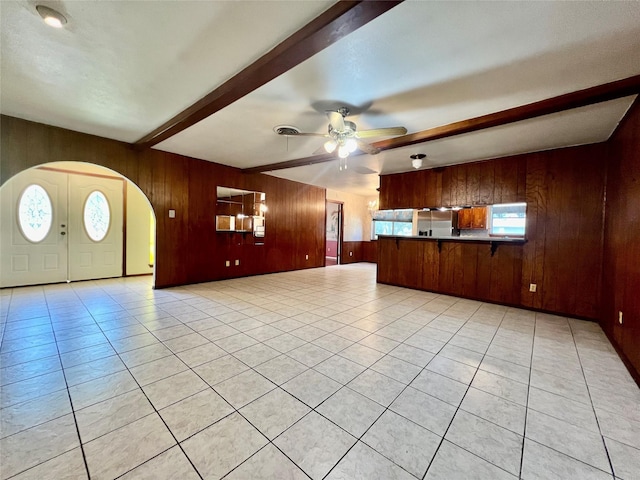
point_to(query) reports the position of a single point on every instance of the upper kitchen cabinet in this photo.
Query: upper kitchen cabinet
(472, 218)
(478, 183)
(411, 190)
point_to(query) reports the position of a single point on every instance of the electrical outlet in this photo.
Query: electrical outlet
(227, 263)
(533, 287)
(306, 257)
(351, 254)
(620, 318)
(237, 262)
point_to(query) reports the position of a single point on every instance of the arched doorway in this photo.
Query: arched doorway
(68, 221)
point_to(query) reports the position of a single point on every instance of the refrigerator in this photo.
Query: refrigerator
(436, 223)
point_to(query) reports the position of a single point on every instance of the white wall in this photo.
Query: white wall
(357, 220)
(138, 225)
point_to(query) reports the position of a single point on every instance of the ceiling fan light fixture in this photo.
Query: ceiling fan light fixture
(330, 146)
(51, 17)
(351, 145)
(343, 151)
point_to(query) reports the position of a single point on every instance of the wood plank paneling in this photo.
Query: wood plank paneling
(188, 249)
(370, 251)
(430, 267)
(621, 256)
(351, 252)
(564, 194)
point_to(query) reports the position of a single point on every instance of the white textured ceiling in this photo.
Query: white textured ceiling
(121, 69)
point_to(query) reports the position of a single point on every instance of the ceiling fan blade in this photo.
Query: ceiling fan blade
(381, 132)
(365, 147)
(320, 150)
(362, 170)
(336, 120)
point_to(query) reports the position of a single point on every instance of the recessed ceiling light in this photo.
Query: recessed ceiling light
(51, 17)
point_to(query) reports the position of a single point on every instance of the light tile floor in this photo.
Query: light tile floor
(318, 373)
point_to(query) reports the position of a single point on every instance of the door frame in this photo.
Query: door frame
(109, 173)
(124, 202)
(340, 230)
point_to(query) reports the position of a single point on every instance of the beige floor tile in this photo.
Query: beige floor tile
(68, 466)
(38, 444)
(315, 444)
(195, 413)
(405, 443)
(351, 411)
(269, 463)
(111, 414)
(22, 416)
(364, 463)
(173, 389)
(123, 449)
(171, 464)
(223, 446)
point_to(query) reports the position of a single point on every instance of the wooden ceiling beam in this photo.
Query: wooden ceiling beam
(338, 21)
(568, 101)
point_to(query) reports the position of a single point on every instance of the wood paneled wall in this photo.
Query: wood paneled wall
(563, 254)
(480, 183)
(464, 269)
(564, 191)
(188, 249)
(361, 252)
(621, 266)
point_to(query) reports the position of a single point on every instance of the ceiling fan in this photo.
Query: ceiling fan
(343, 135)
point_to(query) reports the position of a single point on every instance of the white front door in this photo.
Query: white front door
(95, 227)
(58, 227)
(33, 233)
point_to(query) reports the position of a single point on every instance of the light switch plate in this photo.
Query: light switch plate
(172, 214)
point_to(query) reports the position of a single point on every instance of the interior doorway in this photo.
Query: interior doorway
(334, 226)
(69, 221)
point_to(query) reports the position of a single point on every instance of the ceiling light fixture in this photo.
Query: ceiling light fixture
(51, 17)
(416, 160)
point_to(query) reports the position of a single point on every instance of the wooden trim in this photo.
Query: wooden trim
(561, 103)
(86, 174)
(124, 227)
(335, 23)
(340, 230)
(341, 234)
(622, 355)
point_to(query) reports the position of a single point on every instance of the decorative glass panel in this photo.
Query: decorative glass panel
(97, 216)
(405, 215)
(35, 213)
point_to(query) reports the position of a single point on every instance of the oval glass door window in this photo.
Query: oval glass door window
(35, 213)
(97, 216)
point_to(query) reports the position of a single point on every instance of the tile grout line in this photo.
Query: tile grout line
(73, 410)
(115, 295)
(526, 408)
(593, 408)
(152, 406)
(312, 409)
(465, 394)
(386, 408)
